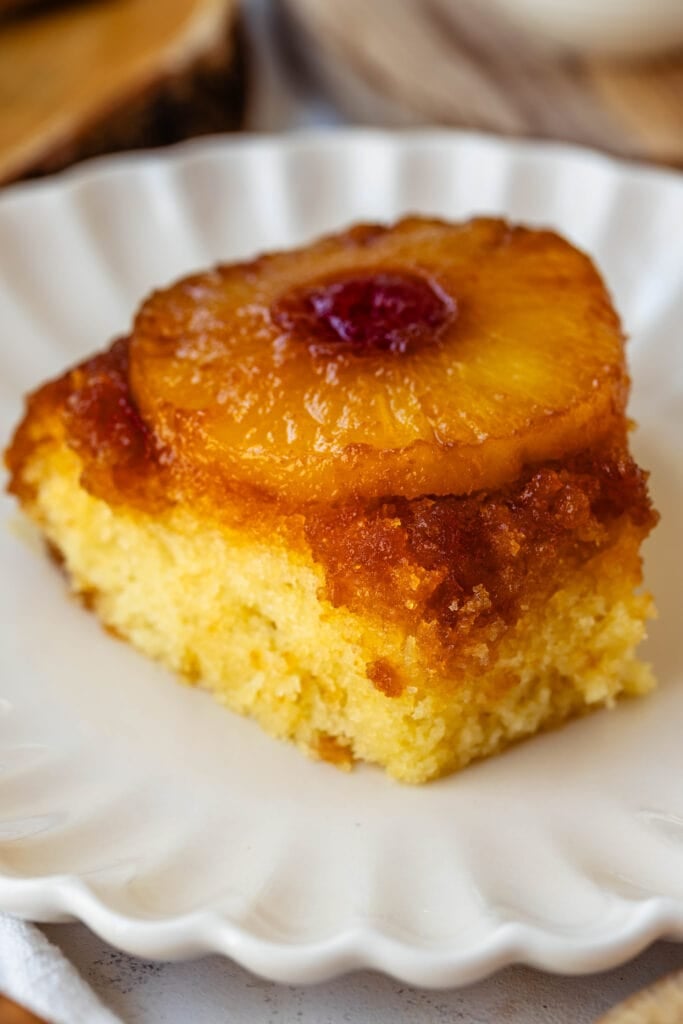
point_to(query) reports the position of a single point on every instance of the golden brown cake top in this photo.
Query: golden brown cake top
(452, 570)
(434, 412)
(455, 571)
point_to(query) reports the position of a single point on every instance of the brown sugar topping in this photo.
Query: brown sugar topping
(100, 411)
(120, 455)
(441, 566)
(385, 678)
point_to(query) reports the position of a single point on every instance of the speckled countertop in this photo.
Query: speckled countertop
(215, 991)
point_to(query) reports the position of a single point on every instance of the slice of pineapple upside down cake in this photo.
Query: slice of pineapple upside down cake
(375, 492)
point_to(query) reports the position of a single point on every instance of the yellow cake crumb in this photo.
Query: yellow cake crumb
(247, 620)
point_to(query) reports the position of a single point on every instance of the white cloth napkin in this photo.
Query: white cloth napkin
(34, 974)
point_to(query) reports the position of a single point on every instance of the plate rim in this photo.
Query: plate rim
(331, 138)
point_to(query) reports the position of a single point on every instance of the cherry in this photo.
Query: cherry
(391, 311)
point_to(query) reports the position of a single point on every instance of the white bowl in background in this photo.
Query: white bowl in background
(624, 28)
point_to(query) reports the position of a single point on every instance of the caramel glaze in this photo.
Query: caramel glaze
(92, 408)
(385, 678)
(454, 571)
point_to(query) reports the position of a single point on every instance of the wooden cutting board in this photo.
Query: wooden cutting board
(455, 62)
(81, 78)
(10, 1013)
(660, 1003)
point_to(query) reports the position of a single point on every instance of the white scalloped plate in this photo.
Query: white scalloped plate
(173, 828)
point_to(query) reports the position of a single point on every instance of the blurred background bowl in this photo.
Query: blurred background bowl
(620, 28)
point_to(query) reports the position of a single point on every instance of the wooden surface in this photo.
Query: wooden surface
(10, 1013)
(9, 6)
(661, 1003)
(77, 79)
(456, 62)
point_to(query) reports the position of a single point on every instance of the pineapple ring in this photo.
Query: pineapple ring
(503, 349)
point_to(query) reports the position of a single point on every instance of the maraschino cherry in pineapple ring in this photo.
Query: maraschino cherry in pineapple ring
(432, 359)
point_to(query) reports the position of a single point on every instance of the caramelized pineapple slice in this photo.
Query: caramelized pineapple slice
(425, 358)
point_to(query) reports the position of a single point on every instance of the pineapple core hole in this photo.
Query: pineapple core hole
(391, 311)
